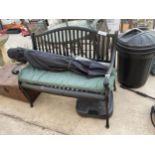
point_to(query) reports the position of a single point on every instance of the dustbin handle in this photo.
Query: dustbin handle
(130, 31)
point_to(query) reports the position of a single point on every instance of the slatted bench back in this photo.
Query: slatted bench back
(76, 41)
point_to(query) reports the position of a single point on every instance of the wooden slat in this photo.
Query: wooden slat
(94, 47)
(97, 53)
(74, 42)
(45, 42)
(38, 43)
(112, 44)
(107, 48)
(90, 49)
(70, 43)
(101, 48)
(49, 44)
(42, 43)
(81, 43)
(59, 42)
(99, 45)
(55, 42)
(91, 45)
(63, 43)
(66, 39)
(86, 52)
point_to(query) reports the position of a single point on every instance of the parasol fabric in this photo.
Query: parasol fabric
(53, 62)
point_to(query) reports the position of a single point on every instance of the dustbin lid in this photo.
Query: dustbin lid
(137, 40)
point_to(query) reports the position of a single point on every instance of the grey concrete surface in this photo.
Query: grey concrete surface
(57, 115)
(14, 126)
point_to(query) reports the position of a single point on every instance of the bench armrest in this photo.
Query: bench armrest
(108, 74)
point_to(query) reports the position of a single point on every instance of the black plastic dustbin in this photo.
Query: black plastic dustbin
(136, 49)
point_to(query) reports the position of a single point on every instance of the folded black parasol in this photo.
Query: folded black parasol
(53, 62)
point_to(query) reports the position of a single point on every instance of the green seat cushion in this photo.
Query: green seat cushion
(64, 79)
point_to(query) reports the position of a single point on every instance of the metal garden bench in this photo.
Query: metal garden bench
(71, 42)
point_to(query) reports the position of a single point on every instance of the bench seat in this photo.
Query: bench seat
(64, 79)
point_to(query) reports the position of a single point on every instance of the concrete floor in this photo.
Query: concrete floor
(57, 115)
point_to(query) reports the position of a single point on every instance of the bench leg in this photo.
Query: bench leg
(115, 85)
(31, 104)
(107, 117)
(106, 106)
(25, 92)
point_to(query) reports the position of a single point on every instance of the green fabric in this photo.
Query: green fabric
(65, 79)
(153, 67)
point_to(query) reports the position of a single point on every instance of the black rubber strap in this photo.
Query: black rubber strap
(152, 114)
(16, 69)
(138, 92)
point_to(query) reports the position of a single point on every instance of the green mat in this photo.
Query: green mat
(64, 79)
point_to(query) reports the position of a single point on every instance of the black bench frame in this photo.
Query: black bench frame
(66, 41)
